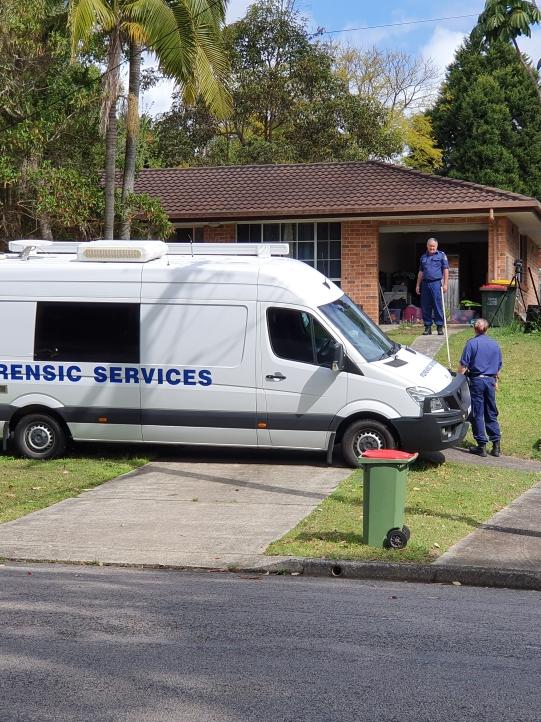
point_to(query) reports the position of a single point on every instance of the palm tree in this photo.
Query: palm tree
(184, 36)
(501, 20)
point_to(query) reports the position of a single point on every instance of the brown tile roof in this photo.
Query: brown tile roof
(316, 190)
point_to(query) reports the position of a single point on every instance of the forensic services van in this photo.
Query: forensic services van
(210, 344)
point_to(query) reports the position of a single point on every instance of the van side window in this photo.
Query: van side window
(297, 336)
(106, 332)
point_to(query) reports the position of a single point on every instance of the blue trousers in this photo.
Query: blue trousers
(484, 412)
(431, 302)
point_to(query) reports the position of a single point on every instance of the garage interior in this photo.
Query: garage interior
(399, 254)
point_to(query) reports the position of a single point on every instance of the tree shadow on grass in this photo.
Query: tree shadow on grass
(335, 537)
(468, 520)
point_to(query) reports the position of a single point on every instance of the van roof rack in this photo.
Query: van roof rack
(263, 250)
(228, 249)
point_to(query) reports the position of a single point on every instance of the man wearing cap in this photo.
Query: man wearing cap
(433, 274)
(482, 361)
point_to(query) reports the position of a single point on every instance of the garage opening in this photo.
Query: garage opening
(399, 254)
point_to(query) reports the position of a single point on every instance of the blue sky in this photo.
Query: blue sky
(419, 27)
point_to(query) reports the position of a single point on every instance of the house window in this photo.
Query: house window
(317, 244)
(189, 234)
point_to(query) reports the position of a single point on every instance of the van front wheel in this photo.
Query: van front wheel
(39, 436)
(363, 435)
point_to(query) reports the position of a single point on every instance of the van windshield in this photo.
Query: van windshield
(363, 333)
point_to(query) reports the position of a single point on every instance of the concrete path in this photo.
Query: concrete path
(218, 509)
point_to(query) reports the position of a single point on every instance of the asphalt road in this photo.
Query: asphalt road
(101, 644)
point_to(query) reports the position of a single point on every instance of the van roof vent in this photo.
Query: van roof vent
(121, 251)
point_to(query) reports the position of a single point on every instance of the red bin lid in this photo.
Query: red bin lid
(387, 454)
(494, 287)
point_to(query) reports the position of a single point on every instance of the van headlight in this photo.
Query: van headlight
(418, 394)
(437, 405)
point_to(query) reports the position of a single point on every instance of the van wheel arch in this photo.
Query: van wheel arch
(47, 416)
(365, 431)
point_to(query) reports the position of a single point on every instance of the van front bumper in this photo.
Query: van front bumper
(430, 432)
(434, 431)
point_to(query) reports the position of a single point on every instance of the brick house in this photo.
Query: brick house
(363, 224)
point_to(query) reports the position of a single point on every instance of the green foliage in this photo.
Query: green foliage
(288, 103)
(487, 120)
(48, 122)
(423, 153)
(71, 201)
(147, 217)
(508, 19)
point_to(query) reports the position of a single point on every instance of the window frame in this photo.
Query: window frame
(294, 243)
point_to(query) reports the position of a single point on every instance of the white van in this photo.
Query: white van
(216, 344)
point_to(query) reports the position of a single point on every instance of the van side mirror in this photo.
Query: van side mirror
(338, 359)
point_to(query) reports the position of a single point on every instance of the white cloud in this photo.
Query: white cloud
(237, 10)
(531, 46)
(158, 98)
(442, 46)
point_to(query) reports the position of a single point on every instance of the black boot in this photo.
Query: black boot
(495, 451)
(440, 330)
(427, 331)
(479, 450)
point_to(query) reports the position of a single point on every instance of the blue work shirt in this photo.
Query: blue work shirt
(482, 355)
(433, 265)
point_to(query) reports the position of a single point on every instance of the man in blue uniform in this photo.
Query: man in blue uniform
(482, 361)
(433, 274)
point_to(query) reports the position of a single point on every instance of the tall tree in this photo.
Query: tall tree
(184, 36)
(487, 120)
(507, 20)
(288, 103)
(49, 142)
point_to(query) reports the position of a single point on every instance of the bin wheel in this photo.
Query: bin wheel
(406, 531)
(396, 539)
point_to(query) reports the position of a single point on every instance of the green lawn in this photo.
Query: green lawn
(444, 503)
(405, 333)
(27, 485)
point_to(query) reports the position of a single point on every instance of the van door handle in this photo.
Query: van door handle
(275, 377)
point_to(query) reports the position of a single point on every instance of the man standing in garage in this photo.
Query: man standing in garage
(433, 275)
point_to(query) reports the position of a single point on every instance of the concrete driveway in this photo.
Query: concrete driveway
(201, 508)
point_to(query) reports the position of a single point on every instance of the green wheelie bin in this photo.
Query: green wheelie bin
(384, 497)
(498, 304)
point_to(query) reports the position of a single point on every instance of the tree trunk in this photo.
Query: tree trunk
(110, 168)
(109, 111)
(45, 229)
(132, 133)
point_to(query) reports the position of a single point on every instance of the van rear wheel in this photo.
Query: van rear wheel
(39, 436)
(363, 435)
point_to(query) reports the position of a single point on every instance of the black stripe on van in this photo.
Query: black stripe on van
(174, 417)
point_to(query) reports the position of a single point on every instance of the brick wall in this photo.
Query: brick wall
(360, 264)
(504, 248)
(226, 233)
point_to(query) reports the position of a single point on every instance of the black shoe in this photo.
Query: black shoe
(440, 330)
(427, 331)
(479, 450)
(495, 451)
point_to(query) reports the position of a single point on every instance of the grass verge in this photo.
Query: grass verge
(444, 503)
(26, 485)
